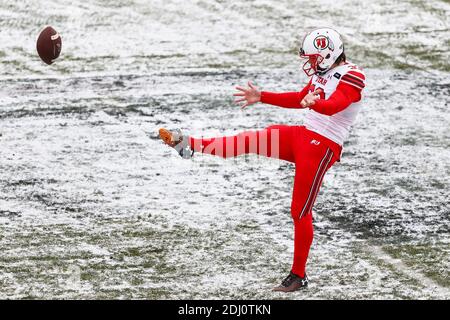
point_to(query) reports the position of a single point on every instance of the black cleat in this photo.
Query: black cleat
(176, 140)
(292, 283)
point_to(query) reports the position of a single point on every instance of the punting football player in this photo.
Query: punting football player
(330, 102)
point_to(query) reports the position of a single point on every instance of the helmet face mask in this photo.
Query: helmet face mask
(311, 65)
(321, 47)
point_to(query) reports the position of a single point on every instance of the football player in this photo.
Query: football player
(331, 100)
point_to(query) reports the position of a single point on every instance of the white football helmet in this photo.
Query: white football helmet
(322, 47)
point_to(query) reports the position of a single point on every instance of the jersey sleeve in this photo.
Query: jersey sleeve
(344, 96)
(354, 78)
(285, 99)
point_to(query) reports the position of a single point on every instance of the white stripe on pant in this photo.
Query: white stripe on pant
(316, 182)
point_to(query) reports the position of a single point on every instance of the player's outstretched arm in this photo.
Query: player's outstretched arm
(344, 96)
(251, 95)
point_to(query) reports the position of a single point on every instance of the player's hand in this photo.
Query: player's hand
(311, 98)
(247, 96)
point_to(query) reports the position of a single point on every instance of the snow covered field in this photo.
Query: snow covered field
(93, 206)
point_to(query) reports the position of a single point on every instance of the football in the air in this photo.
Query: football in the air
(48, 45)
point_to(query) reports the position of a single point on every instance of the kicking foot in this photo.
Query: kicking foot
(176, 140)
(292, 283)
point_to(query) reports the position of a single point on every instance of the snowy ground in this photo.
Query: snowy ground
(93, 206)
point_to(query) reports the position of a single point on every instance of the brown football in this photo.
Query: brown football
(48, 45)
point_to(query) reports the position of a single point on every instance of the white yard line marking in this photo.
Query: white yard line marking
(398, 265)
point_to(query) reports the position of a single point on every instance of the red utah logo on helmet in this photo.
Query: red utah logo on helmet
(321, 42)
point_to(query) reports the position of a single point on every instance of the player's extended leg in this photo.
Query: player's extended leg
(274, 142)
(312, 162)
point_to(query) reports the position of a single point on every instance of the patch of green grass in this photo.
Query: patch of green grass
(88, 276)
(156, 293)
(430, 259)
(133, 252)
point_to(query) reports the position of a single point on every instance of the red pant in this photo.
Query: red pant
(312, 154)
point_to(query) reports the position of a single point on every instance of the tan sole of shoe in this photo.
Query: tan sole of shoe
(166, 136)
